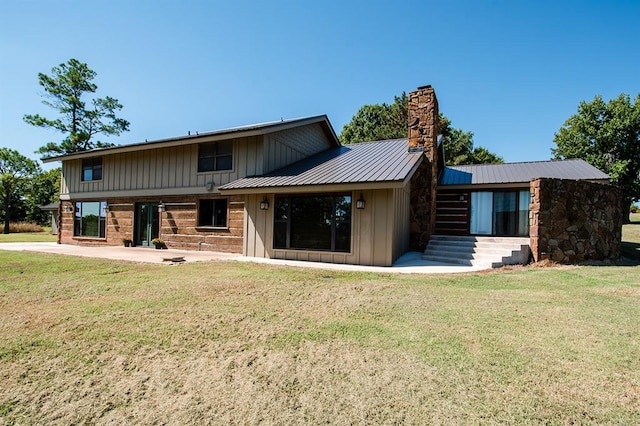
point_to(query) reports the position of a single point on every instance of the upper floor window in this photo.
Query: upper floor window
(215, 156)
(92, 169)
(213, 213)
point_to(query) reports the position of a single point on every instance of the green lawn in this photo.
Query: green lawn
(631, 238)
(29, 237)
(96, 341)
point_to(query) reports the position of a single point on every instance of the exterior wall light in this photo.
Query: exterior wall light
(107, 208)
(68, 208)
(360, 203)
(264, 204)
(161, 207)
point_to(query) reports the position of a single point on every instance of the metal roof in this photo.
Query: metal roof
(477, 174)
(367, 162)
(242, 131)
(51, 206)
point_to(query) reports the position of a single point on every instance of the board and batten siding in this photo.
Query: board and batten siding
(288, 146)
(401, 204)
(162, 171)
(379, 232)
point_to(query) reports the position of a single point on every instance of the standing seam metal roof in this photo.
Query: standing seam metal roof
(576, 169)
(381, 161)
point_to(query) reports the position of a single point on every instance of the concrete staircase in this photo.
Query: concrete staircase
(492, 252)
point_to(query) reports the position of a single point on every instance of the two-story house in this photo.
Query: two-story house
(290, 190)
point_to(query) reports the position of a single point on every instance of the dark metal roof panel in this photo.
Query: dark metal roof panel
(477, 174)
(258, 128)
(381, 161)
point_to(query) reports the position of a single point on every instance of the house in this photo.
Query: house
(290, 190)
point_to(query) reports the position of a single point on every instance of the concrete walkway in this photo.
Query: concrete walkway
(410, 263)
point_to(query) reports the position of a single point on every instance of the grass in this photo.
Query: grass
(84, 341)
(631, 238)
(20, 236)
(24, 227)
(96, 341)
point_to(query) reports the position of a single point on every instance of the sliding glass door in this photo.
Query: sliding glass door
(503, 213)
(481, 213)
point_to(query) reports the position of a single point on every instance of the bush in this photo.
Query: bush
(17, 227)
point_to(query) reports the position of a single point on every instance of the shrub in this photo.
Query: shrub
(16, 227)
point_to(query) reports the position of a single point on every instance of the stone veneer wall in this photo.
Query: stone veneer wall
(178, 227)
(423, 135)
(573, 221)
(422, 206)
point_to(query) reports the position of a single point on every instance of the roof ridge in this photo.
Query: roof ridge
(380, 141)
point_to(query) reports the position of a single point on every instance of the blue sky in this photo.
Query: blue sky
(509, 71)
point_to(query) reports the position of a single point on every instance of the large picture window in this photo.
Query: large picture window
(213, 213)
(90, 219)
(215, 156)
(92, 169)
(313, 222)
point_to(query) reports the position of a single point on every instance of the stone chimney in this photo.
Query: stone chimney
(423, 122)
(423, 137)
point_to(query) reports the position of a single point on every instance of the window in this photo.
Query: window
(213, 213)
(215, 156)
(320, 222)
(92, 169)
(90, 219)
(504, 213)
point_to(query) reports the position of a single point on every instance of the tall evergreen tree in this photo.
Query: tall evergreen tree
(65, 90)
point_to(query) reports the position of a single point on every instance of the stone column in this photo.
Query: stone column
(423, 136)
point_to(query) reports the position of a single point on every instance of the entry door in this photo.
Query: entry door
(146, 223)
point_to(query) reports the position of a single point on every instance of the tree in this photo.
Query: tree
(15, 172)
(43, 188)
(384, 121)
(64, 90)
(607, 136)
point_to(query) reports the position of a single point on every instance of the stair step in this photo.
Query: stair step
(474, 250)
(446, 259)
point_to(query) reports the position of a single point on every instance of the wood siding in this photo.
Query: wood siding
(178, 225)
(401, 200)
(162, 171)
(379, 232)
(288, 146)
(452, 212)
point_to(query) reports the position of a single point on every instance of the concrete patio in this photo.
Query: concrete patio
(410, 263)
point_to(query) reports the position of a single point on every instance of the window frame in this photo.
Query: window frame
(520, 220)
(80, 223)
(218, 152)
(94, 166)
(285, 224)
(213, 209)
